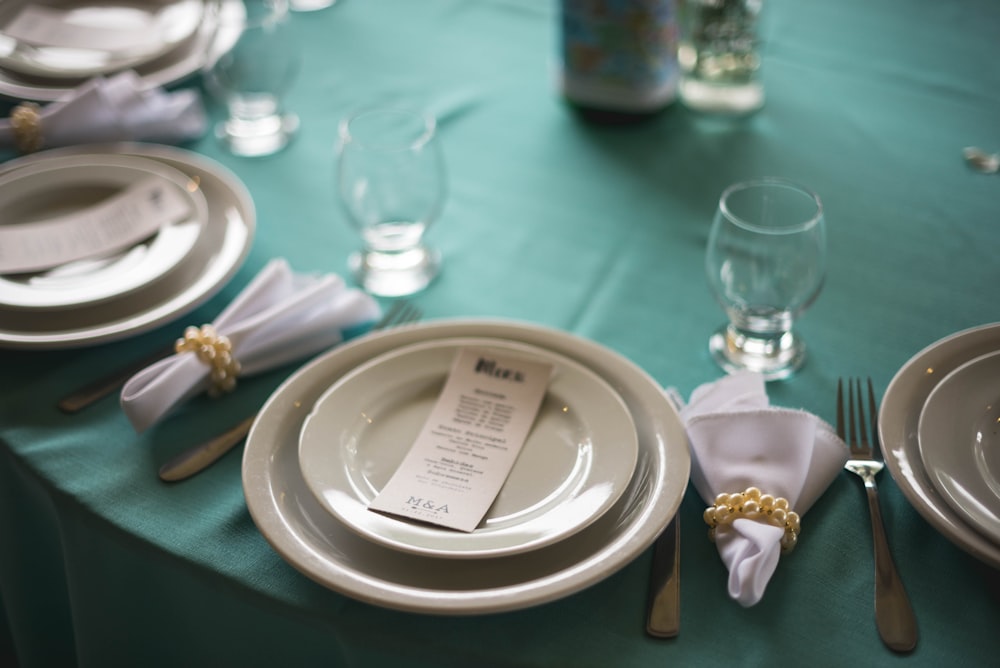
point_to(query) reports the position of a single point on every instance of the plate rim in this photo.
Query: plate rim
(662, 475)
(897, 431)
(629, 453)
(932, 457)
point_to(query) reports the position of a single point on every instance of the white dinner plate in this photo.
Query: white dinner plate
(218, 254)
(899, 427)
(323, 548)
(959, 437)
(61, 185)
(575, 463)
(212, 35)
(81, 38)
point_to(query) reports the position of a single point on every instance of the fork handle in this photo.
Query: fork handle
(894, 616)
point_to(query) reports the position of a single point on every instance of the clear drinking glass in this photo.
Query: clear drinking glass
(252, 77)
(391, 181)
(719, 55)
(766, 262)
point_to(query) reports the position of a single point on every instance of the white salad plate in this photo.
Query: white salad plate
(58, 186)
(576, 462)
(959, 436)
(319, 545)
(898, 428)
(219, 252)
(81, 38)
(214, 34)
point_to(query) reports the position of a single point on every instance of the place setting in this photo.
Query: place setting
(139, 235)
(47, 49)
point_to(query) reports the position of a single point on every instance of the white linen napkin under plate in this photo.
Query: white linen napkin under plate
(118, 108)
(737, 441)
(281, 316)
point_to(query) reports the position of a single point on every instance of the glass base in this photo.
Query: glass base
(773, 357)
(719, 99)
(395, 274)
(252, 139)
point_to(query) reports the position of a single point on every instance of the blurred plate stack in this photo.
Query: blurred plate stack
(50, 47)
(139, 284)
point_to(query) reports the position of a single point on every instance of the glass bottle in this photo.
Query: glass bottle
(618, 58)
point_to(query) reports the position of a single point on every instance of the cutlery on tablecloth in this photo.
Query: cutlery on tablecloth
(894, 616)
(197, 459)
(663, 613)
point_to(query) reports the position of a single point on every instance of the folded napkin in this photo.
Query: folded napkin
(739, 441)
(118, 108)
(279, 317)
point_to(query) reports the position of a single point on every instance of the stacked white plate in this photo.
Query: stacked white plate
(50, 47)
(601, 473)
(940, 430)
(144, 284)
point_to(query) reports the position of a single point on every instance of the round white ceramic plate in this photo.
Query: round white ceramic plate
(959, 436)
(163, 25)
(218, 254)
(320, 546)
(212, 35)
(64, 184)
(575, 463)
(898, 430)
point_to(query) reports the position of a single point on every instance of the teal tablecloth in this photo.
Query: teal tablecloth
(598, 231)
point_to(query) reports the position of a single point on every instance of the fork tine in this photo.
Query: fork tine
(840, 409)
(862, 428)
(851, 431)
(873, 415)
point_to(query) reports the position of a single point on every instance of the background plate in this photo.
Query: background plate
(898, 428)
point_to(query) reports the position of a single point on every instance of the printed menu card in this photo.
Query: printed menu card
(115, 223)
(464, 452)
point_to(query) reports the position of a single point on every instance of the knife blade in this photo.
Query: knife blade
(663, 613)
(198, 458)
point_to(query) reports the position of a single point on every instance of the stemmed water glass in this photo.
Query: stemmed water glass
(252, 75)
(391, 182)
(766, 262)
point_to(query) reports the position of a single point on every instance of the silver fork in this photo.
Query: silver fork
(894, 616)
(198, 458)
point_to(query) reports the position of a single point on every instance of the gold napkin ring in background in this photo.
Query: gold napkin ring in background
(26, 122)
(216, 352)
(753, 505)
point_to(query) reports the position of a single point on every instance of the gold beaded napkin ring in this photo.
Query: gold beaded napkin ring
(214, 350)
(753, 505)
(26, 122)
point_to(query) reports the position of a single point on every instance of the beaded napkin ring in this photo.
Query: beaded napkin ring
(753, 505)
(214, 350)
(26, 122)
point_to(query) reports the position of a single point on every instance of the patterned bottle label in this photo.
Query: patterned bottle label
(619, 54)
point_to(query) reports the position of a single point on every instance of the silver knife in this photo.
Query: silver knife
(663, 612)
(198, 458)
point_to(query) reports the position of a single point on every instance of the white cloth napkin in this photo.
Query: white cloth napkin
(281, 316)
(737, 441)
(118, 108)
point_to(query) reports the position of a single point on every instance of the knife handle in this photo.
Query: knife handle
(663, 614)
